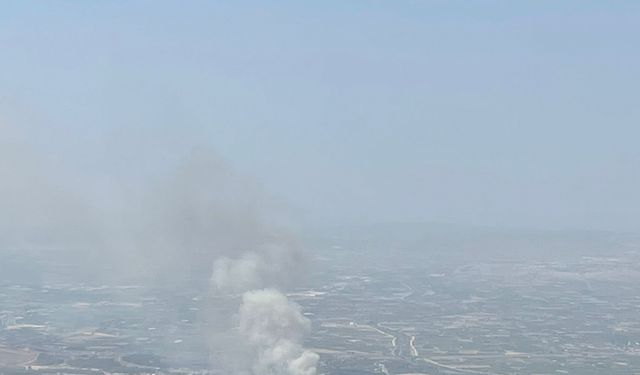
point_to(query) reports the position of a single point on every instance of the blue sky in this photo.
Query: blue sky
(519, 114)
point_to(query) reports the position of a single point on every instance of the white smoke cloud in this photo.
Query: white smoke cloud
(270, 326)
(274, 327)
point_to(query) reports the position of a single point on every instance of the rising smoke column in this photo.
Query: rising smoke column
(270, 327)
(218, 214)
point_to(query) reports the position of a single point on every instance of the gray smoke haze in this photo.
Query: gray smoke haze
(37, 209)
(187, 212)
(192, 218)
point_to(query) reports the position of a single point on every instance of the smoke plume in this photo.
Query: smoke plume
(166, 219)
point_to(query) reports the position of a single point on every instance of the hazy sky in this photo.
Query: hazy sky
(495, 113)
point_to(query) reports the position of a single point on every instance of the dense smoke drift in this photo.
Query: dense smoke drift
(159, 219)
